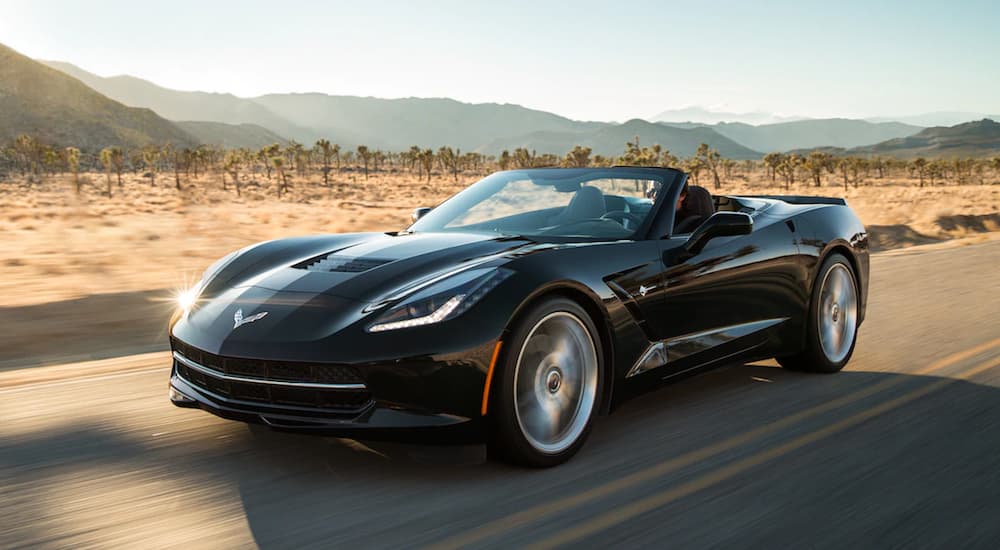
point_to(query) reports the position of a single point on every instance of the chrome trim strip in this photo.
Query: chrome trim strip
(216, 374)
(662, 352)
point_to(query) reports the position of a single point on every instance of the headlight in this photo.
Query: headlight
(443, 300)
(187, 298)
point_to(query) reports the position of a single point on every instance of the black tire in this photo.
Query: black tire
(523, 442)
(820, 354)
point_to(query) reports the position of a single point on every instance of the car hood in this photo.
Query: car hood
(322, 288)
(368, 270)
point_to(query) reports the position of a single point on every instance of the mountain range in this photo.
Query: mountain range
(59, 109)
(970, 139)
(938, 118)
(701, 115)
(64, 104)
(610, 139)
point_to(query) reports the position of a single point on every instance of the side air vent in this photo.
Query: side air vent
(343, 264)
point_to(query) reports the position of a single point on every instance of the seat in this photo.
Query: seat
(698, 206)
(587, 203)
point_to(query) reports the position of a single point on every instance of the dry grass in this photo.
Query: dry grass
(59, 246)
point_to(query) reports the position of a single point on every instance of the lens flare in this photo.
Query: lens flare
(187, 298)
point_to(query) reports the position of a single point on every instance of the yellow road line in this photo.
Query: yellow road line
(629, 511)
(538, 512)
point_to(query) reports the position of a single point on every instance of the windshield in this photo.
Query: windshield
(596, 203)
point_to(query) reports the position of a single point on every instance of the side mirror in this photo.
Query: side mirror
(420, 212)
(720, 224)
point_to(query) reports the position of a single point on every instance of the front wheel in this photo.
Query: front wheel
(832, 326)
(548, 386)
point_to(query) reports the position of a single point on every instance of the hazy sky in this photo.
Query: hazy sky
(584, 59)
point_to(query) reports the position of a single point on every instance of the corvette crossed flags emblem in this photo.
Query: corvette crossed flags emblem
(239, 320)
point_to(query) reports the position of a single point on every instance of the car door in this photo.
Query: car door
(731, 297)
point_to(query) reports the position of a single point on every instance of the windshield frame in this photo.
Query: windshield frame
(668, 179)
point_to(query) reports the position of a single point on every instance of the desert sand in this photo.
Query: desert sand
(84, 276)
(58, 245)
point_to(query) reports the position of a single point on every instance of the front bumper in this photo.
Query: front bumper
(424, 400)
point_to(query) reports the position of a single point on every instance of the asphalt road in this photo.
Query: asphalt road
(902, 449)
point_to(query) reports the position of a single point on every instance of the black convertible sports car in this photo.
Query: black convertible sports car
(519, 309)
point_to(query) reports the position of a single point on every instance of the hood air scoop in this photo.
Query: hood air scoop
(342, 264)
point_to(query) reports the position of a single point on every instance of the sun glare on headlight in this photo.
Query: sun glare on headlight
(187, 298)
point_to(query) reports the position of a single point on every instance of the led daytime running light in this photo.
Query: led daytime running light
(439, 314)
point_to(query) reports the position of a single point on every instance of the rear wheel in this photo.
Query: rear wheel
(832, 326)
(548, 387)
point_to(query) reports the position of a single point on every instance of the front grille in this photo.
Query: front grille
(343, 264)
(285, 371)
(217, 374)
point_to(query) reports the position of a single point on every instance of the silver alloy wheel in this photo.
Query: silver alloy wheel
(555, 382)
(838, 313)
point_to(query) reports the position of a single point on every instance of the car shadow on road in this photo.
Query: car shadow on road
(59, 332)
(412, 494)
(300, 490)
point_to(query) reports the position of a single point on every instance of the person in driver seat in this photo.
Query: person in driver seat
(694, 206)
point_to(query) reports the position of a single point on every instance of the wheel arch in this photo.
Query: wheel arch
(590, 303)
(844, 249)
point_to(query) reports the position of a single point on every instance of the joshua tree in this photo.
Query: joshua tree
(297, 156)
(182, 159)
(231, 164)
(378, 159)
(816, 163)
(523, 158)
(427, 161)
(710, 157)
(667, 158)
(694, 166)
(118, 163)
(278, 163)
(449, 160)
(73, 162)
(789, 164)
(365, 155)
(51, 160)
(846, 167)
(108, 166)
(150, 158)
(920, 167)
(265, 154)
(327, 152)
(504, 160)
(29, 154)
(579, 157)
(772, 161)
(411, 158)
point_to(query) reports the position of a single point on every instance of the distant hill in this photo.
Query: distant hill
(180, 105)
(348, 120)
(971, 139)
(701, 115)
(426, 122)
(395, 124)
(231, 136)
(610, 140)
(62, 111)
(804, 134)
(938, 118)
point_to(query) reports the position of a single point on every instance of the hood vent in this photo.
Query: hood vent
(342, 264)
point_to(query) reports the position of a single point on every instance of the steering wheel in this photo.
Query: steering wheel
(621, 216)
